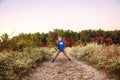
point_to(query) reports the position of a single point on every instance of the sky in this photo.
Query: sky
(30, 16)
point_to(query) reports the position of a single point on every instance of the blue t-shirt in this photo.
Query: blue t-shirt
(60, 45)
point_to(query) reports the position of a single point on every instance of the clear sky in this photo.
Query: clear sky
(31, 16)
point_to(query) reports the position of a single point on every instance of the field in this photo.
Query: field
(24, 52)
(14, 64)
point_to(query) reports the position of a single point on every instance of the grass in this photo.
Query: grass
(107, 57)
(14, 64)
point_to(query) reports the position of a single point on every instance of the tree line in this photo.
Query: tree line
(49, 39)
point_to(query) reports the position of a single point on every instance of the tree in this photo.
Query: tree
(4, 44)
(44, 39)
(85, 36)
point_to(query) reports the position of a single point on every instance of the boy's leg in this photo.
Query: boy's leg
(66, 55)
(57, 53)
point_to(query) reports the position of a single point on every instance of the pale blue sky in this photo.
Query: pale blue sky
(45, 15)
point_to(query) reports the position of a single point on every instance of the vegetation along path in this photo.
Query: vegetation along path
(62, 69)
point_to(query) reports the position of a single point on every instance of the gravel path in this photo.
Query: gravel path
(62, 69)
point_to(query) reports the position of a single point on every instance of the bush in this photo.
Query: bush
(84, 52)
(14, 64)
(114, 64)
(100, 55)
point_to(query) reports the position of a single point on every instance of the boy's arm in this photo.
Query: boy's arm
(57, 44)
(63, 44)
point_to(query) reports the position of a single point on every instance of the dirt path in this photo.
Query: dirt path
(62, 69)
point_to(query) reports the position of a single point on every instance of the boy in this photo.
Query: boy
(60, 46)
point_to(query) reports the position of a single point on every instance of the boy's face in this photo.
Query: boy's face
(59, 38)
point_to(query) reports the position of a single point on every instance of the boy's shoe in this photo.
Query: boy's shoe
(69, 59)
(53, 60)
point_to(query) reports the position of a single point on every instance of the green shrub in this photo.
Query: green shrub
(84, 52)
(44, 53)
(100, 55)
(114, 64)
(14, 64)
